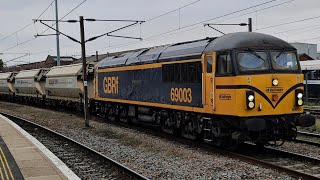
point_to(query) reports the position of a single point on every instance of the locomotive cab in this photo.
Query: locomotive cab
(254, 83)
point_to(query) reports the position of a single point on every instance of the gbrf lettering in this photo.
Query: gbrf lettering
(111, 85)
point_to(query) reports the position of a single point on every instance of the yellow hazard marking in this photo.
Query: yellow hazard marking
(5, 159)
(1, 174)
(4, 168)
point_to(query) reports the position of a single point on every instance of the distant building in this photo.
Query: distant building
(48, 63)
(304, 57)
(92, 58)
(306, 48)
(318, 56)
(64, 60)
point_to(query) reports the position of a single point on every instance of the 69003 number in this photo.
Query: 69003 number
(181, 95)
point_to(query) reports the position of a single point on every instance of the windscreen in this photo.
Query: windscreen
(253, 61)
(284, 60)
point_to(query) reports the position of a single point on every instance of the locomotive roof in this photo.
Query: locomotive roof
(242, 40)
(194, 49)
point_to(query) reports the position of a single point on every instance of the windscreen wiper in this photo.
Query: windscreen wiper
(255, 54)
(282, 51)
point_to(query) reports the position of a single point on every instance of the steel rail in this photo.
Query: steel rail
(247, 158)
(307, 142)
(120, 166)
(309, 134)
(284, 154)
(266, 164)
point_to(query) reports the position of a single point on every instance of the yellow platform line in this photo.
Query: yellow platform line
(4, 168)
(1, 174)
(5, 159)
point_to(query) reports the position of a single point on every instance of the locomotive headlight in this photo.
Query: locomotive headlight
(250, 97)
(275, 82)
(251, 105)
(299, 96)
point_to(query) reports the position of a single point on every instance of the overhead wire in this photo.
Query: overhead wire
(296, 29)
(255, 11)
(172, 31)
(45, 30)
(16, 58)
(291, 22)
(153, 18)
(305, 31)
(314, 38)
(45, 9)
(26, 26)
(197, 23)
(177, 9)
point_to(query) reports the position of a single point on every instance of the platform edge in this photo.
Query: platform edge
(54, 159)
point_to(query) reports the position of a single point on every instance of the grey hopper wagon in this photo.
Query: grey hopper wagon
(66, 83)
(7, 83)
(30, 83)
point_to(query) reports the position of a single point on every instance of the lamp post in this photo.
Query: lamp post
(84, 72)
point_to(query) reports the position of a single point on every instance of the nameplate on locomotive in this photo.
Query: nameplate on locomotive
(274, 89)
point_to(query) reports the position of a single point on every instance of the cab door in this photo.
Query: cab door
(209, 63)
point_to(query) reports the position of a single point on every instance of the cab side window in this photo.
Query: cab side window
(224, 64)
(209, 64)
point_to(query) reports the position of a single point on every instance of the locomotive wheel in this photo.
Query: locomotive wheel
(190, 126)
(167, 125)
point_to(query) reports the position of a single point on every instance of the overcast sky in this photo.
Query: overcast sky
(180, 25)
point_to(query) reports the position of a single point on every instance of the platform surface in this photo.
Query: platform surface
(32, 160)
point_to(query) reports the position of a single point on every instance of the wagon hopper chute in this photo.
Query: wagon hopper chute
(30, 83)
(7, 83)
(66, 83)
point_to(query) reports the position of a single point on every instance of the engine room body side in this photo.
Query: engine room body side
(145, 84)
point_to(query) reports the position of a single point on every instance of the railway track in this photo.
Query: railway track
(82, 160)
(308, 138)
(298, 165)
(308, 134)
(314, 110)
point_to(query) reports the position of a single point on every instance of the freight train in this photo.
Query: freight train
(239, 87)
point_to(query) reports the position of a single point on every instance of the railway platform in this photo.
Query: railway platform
(23, 157)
